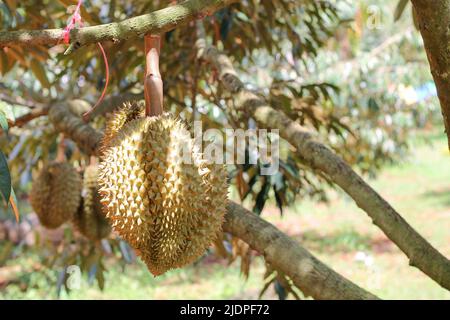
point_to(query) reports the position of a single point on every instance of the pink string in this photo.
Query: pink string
(75, 21)
(87, 114)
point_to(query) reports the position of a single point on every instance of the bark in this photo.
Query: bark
(26, 37)
(156, 22)
(312, 276)
(421, 254)
(33, 114)
(67, 121)
(108, 105)
(434, 24)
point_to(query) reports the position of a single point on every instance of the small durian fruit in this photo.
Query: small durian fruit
(90, 220)
(127, 112)
(55, 194)
(160, 194)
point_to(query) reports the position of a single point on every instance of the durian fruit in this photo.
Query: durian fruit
(127, 112)
(55, 194)
(90, 220)
(168, 209)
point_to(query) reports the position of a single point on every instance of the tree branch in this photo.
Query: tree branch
(33, 114)
(434, 25)
(311, 275)
(67, 121)
(26, 37)
(156, 22)
(421, 254)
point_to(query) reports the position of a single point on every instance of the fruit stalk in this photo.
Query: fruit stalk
(153, 85)
(60, 151)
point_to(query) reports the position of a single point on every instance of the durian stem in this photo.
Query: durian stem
(93, 160)
(60, 151)
(153, 84)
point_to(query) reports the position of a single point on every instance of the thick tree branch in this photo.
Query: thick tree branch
(67, 121)
(106, 106)
(26, 37)
(312, 276)
(434, 25)
(421, 254)
(156, 22)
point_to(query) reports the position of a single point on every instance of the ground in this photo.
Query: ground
(338, 233)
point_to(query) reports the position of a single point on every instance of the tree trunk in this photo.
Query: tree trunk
(434, 25)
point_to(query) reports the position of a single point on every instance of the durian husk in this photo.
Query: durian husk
(168, 210)
(55, 194)
(90, 220)
(115, 121)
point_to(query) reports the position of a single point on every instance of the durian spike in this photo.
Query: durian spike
(153, 84)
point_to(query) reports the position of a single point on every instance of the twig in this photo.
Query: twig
(33, 114)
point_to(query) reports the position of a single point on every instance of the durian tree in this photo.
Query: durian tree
(110, 168)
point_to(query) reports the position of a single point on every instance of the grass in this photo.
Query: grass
(338, 233)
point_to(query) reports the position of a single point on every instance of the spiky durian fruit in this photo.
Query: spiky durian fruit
(90, 220)
(127, 112)
(160, 194)
(55, 194)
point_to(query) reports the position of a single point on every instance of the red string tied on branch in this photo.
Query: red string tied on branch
(76, 21)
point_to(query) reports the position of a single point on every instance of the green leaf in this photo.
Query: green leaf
(242, 16)
(62, 276)
(3, 122)
(39, 73)
(6, 251)
(280, 290)
(399, 9)
(279, 200)
(289, 168)
(250, 185)
(267, 285)
(13, 202)
(100, 278)
(5, 178)
(8, 111)
(261, 198)
(373, 105)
